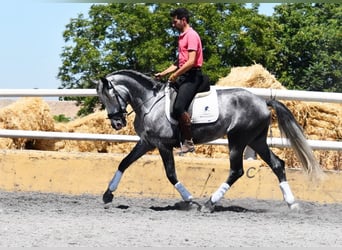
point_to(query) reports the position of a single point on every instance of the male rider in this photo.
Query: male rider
(186, 73)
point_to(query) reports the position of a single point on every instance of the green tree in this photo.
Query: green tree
(233, 35)
(140, 37)
(115, 36)
(310, 37)
(300, 43)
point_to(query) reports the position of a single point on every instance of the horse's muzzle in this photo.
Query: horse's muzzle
(117, 124)
(117, 121)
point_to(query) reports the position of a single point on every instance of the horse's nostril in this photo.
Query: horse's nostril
(117, 125)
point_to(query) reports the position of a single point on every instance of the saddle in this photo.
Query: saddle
(203, 108)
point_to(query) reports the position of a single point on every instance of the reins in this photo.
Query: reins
(124, 111)
(154, 88)
(154, 104)
(146, 101)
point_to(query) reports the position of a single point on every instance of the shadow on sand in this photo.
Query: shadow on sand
(185, 206)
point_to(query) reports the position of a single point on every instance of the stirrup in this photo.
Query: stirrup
(186, 147)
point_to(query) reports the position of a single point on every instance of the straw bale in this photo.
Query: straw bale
(27, 113)
(93, 123)
(254, 76)
(6, 143)
(320, 121)
(96, 123)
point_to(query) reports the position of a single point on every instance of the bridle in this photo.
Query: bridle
(122, 113)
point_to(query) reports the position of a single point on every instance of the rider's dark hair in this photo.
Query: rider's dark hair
(181, 13)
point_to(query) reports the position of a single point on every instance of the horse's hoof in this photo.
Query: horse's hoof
(183, 205)
(208, 206)
(294, 206)
(107, 198)
(199, 206)
(107, 205)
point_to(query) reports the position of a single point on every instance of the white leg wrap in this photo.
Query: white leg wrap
(115, 181)
(183, 192)
(219, 193)
(287, 193)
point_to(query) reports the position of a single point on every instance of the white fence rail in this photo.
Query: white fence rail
(262, 92)
(274, 142)
(280, 94)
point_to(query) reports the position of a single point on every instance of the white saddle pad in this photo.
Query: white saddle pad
(203, 109)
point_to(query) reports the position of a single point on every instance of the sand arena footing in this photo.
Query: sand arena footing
(89, 173)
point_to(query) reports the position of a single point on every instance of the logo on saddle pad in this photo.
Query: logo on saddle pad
(203, 109)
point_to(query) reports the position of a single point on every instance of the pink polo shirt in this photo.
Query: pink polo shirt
(189, 40)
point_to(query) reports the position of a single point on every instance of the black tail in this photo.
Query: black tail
(289, 126)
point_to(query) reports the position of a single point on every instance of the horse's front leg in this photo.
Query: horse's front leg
(169, 165)
(139, 150)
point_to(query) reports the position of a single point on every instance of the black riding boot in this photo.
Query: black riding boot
(185, 127)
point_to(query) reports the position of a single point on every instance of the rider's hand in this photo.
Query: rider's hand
(172, 78)
(158, 76)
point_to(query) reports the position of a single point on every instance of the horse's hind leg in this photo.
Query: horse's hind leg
(278, 167)
(236, 150)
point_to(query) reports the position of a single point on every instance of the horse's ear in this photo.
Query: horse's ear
(104, 80)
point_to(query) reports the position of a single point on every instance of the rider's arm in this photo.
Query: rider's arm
(186, 66)
(167, 71)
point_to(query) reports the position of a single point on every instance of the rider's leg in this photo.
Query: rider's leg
(186, 92)
(185, 127)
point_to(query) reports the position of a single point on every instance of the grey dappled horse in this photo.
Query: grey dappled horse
(243, 117)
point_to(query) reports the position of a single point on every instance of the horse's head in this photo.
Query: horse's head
(114, 102)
